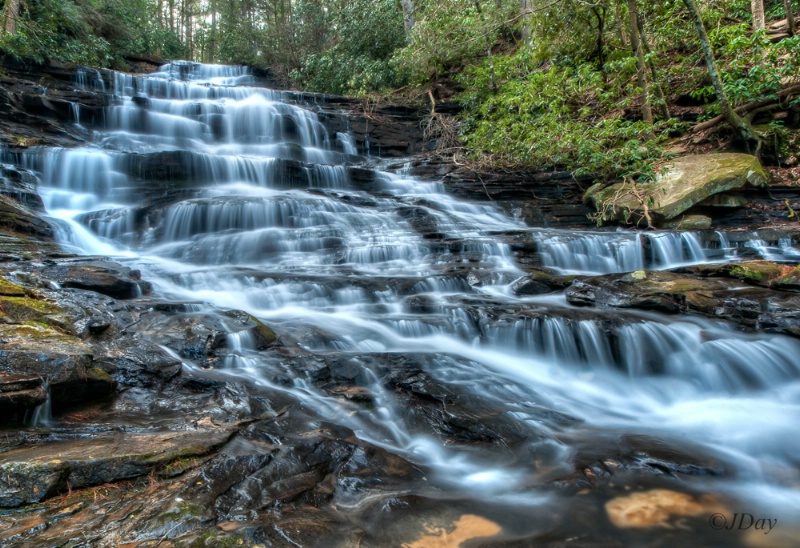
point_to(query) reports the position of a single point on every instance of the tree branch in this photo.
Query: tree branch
(749, 107)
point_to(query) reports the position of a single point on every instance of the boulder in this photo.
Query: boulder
(688, 181)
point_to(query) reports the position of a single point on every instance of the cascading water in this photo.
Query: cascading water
(249, 204)
(608, 252)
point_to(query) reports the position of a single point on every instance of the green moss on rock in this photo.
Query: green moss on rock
(9, 289)
(687, 182)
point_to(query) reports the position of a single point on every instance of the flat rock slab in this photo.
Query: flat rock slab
(688, 181)
(32, 474)
(755, 308)
(106, 277)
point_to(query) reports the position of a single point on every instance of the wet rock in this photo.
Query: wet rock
(20, 185)
(37, 105)
(789, 280)
(104, 277)
(660, 508)
(10, 289)
(34, 473)
(468, 528)
(758, 273)
(422, 220)
(20, 395)
(421, 304)
(687, 182)
(133, 362)
(206, 338)
(539, 282)
(315, 464)
(19, 218)
(672, 292)
(64, 361)
(261, 337)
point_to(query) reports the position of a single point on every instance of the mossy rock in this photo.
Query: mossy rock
(687, 182)
(755, 272)
(27, 310)
(730, 201)
(263, 336)
(761, 273)
(790, 280)
(8, 289)
(688, 222)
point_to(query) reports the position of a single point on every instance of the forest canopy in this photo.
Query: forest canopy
(595, 86)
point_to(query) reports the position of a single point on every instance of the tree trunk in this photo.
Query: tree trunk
(525, 14)
(653, 74)
(734, 120)
(10, 16)
(623, 35)
(600, 14)
(787, 6)
(408, 15)
(759, 20)
(641, 75)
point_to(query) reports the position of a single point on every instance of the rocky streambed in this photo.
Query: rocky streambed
(294, 344)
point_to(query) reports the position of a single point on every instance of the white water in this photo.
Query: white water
(588, 252)
(312, 249)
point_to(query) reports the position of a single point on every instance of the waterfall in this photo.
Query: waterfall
(222, 193)
(588, 252)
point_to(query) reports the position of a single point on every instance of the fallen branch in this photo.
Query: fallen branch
(749, 107)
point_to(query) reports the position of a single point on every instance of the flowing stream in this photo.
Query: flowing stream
(252, 204)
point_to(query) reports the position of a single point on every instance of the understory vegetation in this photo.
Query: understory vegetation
(600, 87)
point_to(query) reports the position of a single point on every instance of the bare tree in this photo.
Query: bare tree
(10, 15)
(759, 19)
(734, 120)
(787, 6)
(641, 75)
(525, 14)
(408, 15)
(648, 51)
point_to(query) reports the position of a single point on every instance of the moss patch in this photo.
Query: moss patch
(25, 308)
(9, 289)
(688, 181)
(790, 280)
(756, 272)
(265, 336)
